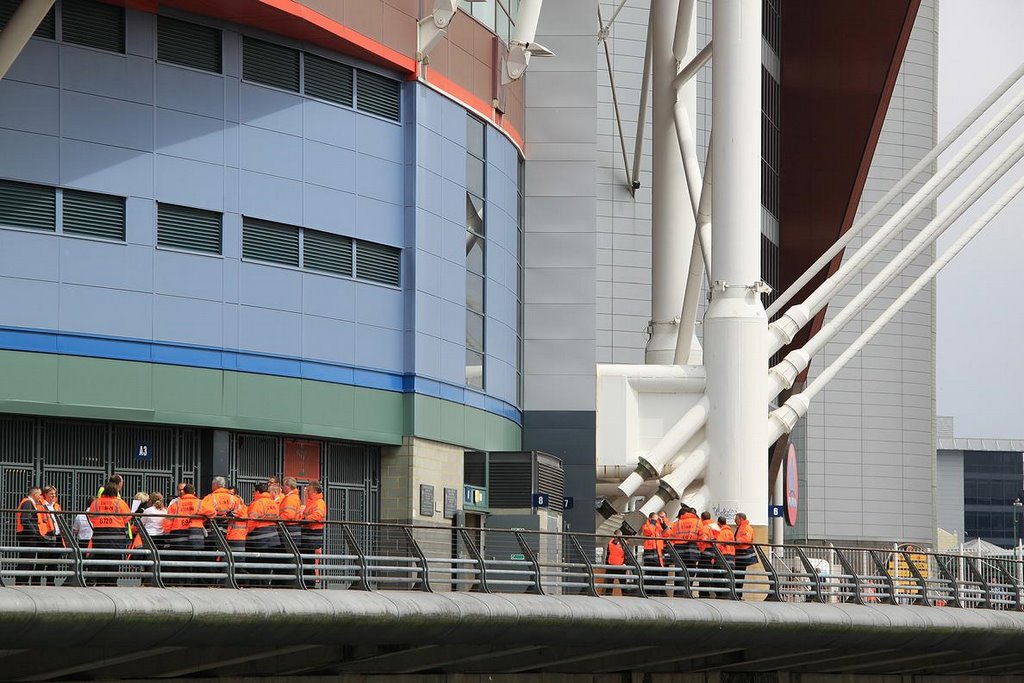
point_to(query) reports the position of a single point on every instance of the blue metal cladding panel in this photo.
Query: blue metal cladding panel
(155, 132)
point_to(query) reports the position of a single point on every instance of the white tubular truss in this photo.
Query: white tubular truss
(783, 330)
(782, 420)
(20, 27)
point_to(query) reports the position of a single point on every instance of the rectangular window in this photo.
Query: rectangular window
(182, 227)
(520, 223)
(476, 246)
(92, 24)
(378, 263)
(27, 206)
(188, 44)
(270, 64)
(95, 215)
(47, 27)
(328, 253)
(379, 95)
(327, 80)
(270, 242)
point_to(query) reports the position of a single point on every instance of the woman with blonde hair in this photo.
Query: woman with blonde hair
(153, 518)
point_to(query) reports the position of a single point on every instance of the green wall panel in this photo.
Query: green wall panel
(96, 388)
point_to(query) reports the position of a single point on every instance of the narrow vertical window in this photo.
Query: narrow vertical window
(475, 252)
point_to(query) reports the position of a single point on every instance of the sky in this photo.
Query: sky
(980, 303)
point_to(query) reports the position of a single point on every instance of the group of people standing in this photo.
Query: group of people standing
(694, 539)
(182, 525)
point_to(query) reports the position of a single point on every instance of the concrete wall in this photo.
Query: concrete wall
(404, 468)
(868, 459)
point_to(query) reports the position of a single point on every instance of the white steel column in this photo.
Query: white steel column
(672, 223)
(735, 327)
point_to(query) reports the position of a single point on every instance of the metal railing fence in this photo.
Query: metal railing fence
(378, 556)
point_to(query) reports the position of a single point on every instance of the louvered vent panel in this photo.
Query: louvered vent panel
(510, 484)
(182, 227)
(327, 80)
(96, 215)
(329, 253)
(188, 44)
(474, 469)
(47, 27)
(550, 480)
(27, 206)
(93, 24)
(378, 95)
(266, 241)
(378, 263)
(270, 64)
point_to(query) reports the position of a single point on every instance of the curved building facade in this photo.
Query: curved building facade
(255, 247)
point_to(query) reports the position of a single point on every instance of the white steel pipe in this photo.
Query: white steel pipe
(895, 191)
(783, 330)
(691, 168)
(796, 363)
(653, 463)
(641, 118)
(786, 416)
(19, 28)
(688, 349)
(693, 66)
(734, 327)
(525, 30)
(672, 224)
(779, 498)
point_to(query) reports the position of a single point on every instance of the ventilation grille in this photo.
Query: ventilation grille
(474, 469)
(270, 64)
(181, 42)
(329, 253)
(510, 484)
(47, 27)
(378, 95)
(182, 227)
(551, 480)
(27, 206)
(327, 80)
(378, 263)
(96, 215)
(93, 24)
(272, 242)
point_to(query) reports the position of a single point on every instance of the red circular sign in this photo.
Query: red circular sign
(792, 486)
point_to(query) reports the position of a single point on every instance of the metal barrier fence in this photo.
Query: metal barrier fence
(373, 556)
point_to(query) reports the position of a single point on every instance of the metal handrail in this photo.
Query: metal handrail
(386, 556)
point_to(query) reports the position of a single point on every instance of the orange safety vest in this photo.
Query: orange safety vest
(744, 535)
(616, 554)
(707, 534)
(262, 512)
(684, 530)
(725, 534)
(114, 513)
(238, 526)
(315, 512)
(187, 504)
(41, 524)
(220, 503)
(653, 535)
(290, 507)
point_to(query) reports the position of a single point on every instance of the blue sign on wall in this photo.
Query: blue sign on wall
(143, 450)
(568, 503)
(776, 511)
(541, 500)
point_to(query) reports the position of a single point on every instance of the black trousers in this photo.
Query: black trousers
(311, 541)
(31, 542)
(705, 565)
(654, 580)
(112, 538)
(265, 540)
(744, 558)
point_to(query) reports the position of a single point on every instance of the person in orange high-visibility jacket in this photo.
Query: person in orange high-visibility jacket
(30, 527)
(683, 535)
(109, 516)
(262, 536)
(238, 525)
(615, 557)
(726, 538)
(706, 557)
(219, 506)
(290, 510)
(183, 525)
(314, 518)
(744, 550)
(653, 532)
